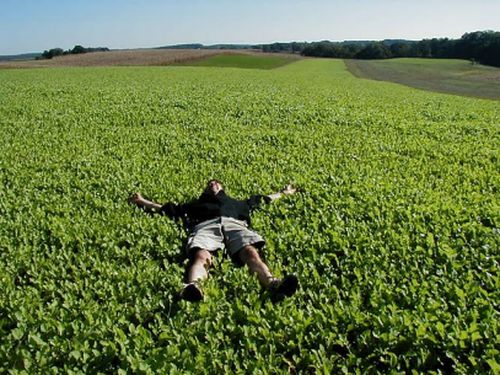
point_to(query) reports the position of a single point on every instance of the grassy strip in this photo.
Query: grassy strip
(243, 61)
(458, 77)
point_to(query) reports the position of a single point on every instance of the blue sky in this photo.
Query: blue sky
(35, 25)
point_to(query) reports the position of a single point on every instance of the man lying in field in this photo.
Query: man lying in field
(217, 221)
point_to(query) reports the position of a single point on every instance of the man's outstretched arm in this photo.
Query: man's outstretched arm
(287, 190)
(256, 200)
(140, 201)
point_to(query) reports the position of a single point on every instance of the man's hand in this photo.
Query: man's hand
(140, 201)
(289, 189)
(135, 198)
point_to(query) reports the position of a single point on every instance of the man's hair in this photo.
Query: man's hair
(214, 180)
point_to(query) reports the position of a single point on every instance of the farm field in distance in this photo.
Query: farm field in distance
(161, 57)
(256, 61)
(459, 77)
(133, 57)
(394, 237)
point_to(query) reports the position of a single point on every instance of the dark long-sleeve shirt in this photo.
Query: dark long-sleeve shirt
(209, 207)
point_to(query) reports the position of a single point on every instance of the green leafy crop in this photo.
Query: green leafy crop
(244, 61)
(394, 238)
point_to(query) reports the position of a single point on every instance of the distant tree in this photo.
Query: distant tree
(439, 47)
(323, 49)
(97, 49)
(52, 53)
(401, 49)
(351, 50)
(443, 48)
(480, 46)
(297, 47)
(375, 50)
(78, 49)
(492, 51)
(424, 48)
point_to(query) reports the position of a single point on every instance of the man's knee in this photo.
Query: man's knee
(249, 254)
(202, 256)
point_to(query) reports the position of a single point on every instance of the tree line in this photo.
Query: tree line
(48, 54)
(478, 46)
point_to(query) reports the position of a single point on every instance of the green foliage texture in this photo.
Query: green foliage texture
(243, 61)
(395, 237)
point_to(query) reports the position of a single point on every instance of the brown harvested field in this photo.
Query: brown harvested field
(136, 57)
(458, 77)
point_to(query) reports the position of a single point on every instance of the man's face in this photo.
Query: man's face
(213, 187)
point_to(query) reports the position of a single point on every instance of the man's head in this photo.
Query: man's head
(213, 187)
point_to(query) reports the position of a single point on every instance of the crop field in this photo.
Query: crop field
(459, 77)
(394, 237)
(267, 61)
(134, 57)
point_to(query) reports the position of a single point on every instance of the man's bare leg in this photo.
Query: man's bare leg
(198, 271)
(279, 288)
(250, 256)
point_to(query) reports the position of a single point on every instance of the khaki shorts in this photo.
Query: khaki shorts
(222, 233)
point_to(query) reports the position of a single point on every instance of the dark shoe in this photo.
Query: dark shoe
(191, 292)
(281, 288)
